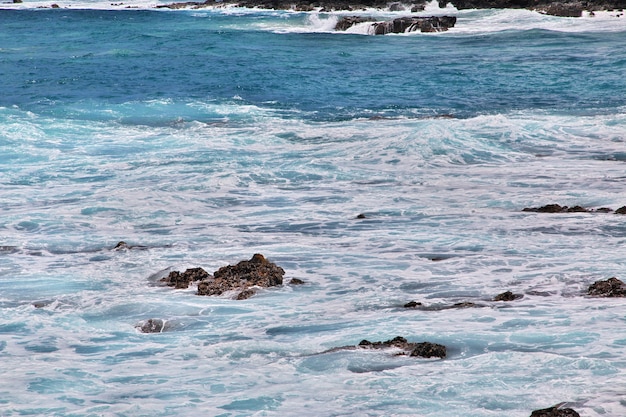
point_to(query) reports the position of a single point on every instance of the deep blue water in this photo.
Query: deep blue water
(97, 57)
(205, 136)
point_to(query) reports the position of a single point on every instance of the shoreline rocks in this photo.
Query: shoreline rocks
(566, 8)
(399, 25)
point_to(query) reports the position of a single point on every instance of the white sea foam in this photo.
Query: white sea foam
(442, 199)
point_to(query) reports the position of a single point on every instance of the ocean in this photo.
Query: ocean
(379, 170)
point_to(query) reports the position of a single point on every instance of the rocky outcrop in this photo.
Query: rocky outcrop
(182, 280)
(423, 349)
(556, 208)
(566, 7)
(257, 272)
(507, 296)
(437, 307)
(555, 411)
(400, 25)
(243, 277)
(611, 287)
(322, 5)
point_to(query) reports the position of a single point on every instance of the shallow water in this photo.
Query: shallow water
(206, 136)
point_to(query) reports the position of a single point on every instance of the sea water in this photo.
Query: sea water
(204, 136)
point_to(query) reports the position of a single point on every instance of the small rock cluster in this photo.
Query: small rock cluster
(257, 272)
(423, 349)
(556, 208)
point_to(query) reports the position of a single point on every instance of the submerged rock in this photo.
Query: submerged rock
(621, 210)
(257, 272)
(151, 326)
(555, 411)
(611, 287)
(125, 246)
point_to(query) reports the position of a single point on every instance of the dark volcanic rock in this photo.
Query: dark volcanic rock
(507, 296)
(548, 208)
(414, 24)
(424, 349)
(182, 280)
(558, 8)
(245, 294)
(412, 304)
(555, 411)
(296, 281)
(182, 5)
(401, 24)
(429, 350)
(611, 287)
(564, 9)
(540, 5)
(438, 307)
(555, 208)
(342, 25)
(125, 246)
(258, 271)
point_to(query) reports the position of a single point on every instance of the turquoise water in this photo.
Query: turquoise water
(209, 135)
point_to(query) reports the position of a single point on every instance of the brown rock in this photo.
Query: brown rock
(182, 280)
(611, 287)
(429, 350)
(424, 349)
(507, 296)
(258, 271)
